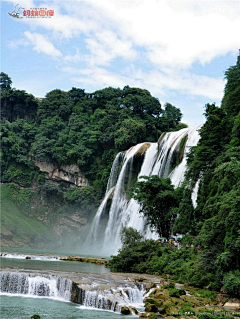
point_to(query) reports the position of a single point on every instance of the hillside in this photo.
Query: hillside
(212, 229)
(61, 149)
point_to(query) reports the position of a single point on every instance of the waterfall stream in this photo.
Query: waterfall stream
(97, 294)
(42, 286)
(166, 158)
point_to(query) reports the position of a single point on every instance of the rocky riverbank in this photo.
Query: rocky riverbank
(171, 301)
(116, 292)
(121, 292)
(93, 260)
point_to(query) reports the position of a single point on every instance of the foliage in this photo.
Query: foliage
(206, 294)
(158, 199)
(135, 256)
(50, 189)
(185, 222)
(231, 282)
(16, 103)
(130, 237)
(75, 127)
(216, 162)
(152, 257)
(171, 285)
(5, 82)
(84, 195)
(15, 221)
(173, 292)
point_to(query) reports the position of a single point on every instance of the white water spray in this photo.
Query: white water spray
(159, 159)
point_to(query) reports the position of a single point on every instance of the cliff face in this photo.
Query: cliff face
(67, 173)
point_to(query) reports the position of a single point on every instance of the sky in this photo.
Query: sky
(178, 50)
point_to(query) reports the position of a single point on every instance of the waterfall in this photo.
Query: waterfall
(166, 158)
(106, 294)
(109, 297)
(36, 285)
(177, 175)
(94, 300)
(194, 194)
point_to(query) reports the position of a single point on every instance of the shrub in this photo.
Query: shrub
(231, 283)
(173, 292)
(171, 285)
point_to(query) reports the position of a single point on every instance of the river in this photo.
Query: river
(18, 306)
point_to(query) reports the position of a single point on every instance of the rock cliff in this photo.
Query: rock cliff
(67, 173)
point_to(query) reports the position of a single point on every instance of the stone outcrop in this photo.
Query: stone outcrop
(92, 260)
(165, 301)
(67, 173)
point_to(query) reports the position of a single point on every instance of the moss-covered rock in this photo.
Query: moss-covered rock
(135, 310)
(149, 315)
(125, 311)
(151, 308)
(191, 300)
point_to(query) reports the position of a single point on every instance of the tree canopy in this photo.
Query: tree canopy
(158, 200)
(88, 129)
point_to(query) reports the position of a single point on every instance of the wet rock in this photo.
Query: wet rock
(134, 310)
(125, 311)
(151, 308)
(149, 315)
(232, 305)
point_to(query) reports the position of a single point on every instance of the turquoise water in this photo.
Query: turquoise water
(21, 307)
(16, 307)
(47, 251)
(52, 265)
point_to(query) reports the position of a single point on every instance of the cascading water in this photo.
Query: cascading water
(98, 293)
(194, 194)
(32, 257)
(30, 285)
(112, 299)
(167, 158)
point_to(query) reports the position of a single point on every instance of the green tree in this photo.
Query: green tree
(231, 101)
(130, 237)
(5, 82)
(158, 201)
(185, 222)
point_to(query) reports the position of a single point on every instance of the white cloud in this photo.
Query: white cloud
(74, 58)
(100, 77)
(172, 33)
(105, 46)
(159, 41)
(41, 44)
(176, 33)
(158, 83)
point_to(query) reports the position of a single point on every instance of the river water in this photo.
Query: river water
(23, 307)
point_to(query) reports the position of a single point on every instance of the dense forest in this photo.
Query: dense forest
(213, 227)
(89, 129)
(70, 128)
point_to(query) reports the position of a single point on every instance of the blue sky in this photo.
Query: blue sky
(176, 49)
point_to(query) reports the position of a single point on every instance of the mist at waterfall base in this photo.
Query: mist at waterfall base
(165, 158)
